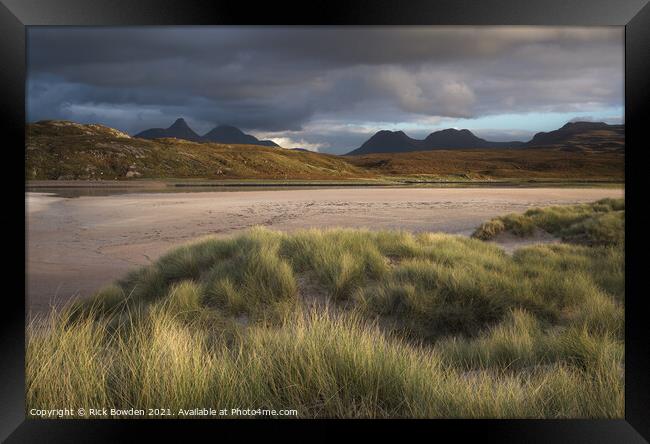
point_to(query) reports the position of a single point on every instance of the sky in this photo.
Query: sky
(328, 89)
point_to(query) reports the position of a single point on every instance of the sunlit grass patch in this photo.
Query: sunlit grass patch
(599, 223)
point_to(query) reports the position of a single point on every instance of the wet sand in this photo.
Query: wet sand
(75, 246)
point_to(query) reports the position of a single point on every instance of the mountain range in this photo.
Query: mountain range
(570, 137)
(573, 135)
(221, 134)
(64, 150)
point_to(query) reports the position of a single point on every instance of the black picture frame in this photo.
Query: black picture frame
(15, 15)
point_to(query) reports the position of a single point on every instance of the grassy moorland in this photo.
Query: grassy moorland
(354, 323)
(498, 164)
(60, 150)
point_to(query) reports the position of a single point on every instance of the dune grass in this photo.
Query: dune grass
(406, 325)
(598, 223)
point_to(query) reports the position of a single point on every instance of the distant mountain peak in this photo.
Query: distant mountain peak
(226, 134)
(570, 130)
(233, 135)
(450, 138)
(178, 130)
(180, 125)
(179, 122)
(453, 130)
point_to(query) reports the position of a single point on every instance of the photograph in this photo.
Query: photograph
(325, 222)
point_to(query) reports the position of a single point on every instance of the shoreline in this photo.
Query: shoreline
(77, 245)
(387, 183)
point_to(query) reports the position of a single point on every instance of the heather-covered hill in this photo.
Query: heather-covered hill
(490, 163)
(67, 150)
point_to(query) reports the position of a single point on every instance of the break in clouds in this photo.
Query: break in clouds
(328, 89)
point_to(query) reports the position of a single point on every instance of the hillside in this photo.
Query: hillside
(572, 136)
(67, 150)
(70, 151)
(580, 136)
(485, 164)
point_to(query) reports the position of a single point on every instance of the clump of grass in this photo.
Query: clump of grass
(67, 361)
(108, 299)
(598, 223)
(521, 342)
(488, 230)
(418, 325)
(185, 296)
(342, 259)
(242, 276)
(600, 229)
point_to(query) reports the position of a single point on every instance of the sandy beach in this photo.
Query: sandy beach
(77, 245)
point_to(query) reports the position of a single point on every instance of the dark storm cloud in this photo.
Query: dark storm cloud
(275, 80)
